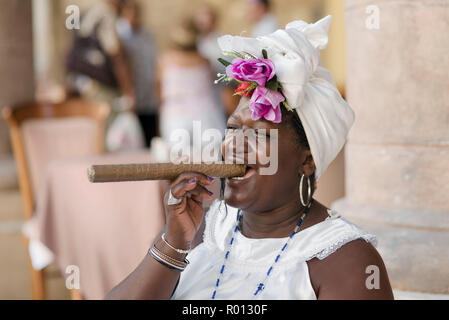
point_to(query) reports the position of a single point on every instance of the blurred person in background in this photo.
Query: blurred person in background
(185, 86)
(98, 70)
(206, 22)
(264, 22)
(96, 65)
(141, 52)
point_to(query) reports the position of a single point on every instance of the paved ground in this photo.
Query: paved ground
(14, 276)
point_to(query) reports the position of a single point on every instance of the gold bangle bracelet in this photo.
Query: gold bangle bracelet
(167, 264)
(170, 259)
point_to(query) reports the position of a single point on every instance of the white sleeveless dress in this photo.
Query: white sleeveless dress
(250, 259)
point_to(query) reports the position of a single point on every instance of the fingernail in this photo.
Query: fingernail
(192, 180)
(210, 178)
(210, 192)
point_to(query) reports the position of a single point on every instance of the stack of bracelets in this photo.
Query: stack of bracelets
(166, 260)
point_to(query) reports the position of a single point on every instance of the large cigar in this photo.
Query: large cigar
(160, 171)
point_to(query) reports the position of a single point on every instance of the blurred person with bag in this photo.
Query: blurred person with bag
(97, 69)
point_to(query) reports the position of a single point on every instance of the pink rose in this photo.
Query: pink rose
(264, 103)
(258, 70)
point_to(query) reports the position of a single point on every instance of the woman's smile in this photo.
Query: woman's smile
(237, 181)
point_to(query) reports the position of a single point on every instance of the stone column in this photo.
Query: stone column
(16, 72)
(397, 156)
(44, 45)
(331, 185)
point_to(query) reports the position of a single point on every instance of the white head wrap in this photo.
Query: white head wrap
(307, 86)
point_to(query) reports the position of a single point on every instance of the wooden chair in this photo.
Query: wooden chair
(15, 118)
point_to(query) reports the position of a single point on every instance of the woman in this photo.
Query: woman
(186, 89)
(268, 238)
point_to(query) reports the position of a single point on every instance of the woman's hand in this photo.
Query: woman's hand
(184, 219)
(152, 280)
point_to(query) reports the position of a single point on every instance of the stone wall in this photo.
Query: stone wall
(397, 156)
(16, 73)
(16, 64)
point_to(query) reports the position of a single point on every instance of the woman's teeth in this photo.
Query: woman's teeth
(249, 172)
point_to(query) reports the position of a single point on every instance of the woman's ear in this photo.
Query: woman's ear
(308, 166)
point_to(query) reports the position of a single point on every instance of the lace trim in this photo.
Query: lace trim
(211, 219)
(341, 242)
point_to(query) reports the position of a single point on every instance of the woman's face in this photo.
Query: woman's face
(260, 192)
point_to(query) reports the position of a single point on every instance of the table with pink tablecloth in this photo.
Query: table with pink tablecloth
(105, 229)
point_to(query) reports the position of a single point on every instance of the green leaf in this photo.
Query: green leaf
(264, 54)
(223, 62)
(234, 54)
(249, 54)
(273, 85)
(253, 85)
